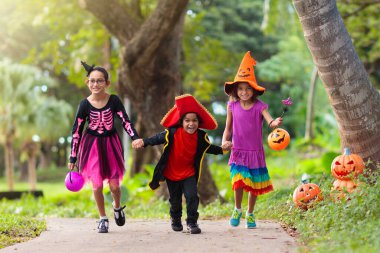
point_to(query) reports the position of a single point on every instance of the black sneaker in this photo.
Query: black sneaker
(193, 228)
(103, 226)
(177, 224)
(119, 216)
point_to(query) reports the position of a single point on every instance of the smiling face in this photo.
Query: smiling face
(244, 72)
(347, 166)
(305, 194)
(190, 122)
(96, 82)
(278, 139)
(244, 91)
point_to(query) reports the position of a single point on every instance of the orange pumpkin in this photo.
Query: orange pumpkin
(306, 194)
(278, 139)
(340, 187)
(347, 185)
(346, 166)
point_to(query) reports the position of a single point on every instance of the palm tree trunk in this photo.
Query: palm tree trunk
(310, 105)
(45, 155)
(9, 161)
(355, 101)
(31, 150)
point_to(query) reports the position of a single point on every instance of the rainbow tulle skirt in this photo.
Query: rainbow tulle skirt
(255, 180)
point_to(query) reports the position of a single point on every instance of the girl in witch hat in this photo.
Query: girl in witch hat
(245, 114)
(99, 151)
(180, 164)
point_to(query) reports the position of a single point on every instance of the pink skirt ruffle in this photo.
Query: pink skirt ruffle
(248, 158)
(101, 158)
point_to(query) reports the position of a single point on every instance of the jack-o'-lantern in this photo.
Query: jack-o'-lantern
(347, 166)
(341, 187)
(278, 139)
(305, 195)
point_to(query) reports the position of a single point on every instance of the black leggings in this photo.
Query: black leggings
(188, 187)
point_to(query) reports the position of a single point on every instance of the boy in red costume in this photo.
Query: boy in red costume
(180, 164)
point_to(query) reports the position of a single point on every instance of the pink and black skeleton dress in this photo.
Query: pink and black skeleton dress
(99, 151)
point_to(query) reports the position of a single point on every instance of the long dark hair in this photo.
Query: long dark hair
(91, 68)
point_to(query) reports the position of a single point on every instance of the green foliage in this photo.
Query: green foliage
(236, 24)
(217, 34)
(362, 21)
(55, 35)
(348, 226)
(27, 109)
(51, 175)
(62, 205)
(15, 229)
(280, 18)
(281, 68)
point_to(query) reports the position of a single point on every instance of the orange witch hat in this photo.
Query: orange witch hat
(186, 104)
(245, 74)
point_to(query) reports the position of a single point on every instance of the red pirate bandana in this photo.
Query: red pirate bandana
(245, 74)
(186, 104)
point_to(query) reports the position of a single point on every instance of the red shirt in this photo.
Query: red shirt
(181, 157)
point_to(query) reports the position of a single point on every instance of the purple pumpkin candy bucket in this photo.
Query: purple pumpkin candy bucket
(74, 181)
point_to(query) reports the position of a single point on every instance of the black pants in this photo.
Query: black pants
(188, 187)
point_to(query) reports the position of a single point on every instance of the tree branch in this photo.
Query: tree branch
(115, 18)
(361, 7)
(151, 34)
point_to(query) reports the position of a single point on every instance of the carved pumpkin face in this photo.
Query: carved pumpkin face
(346, 166)
(244, 72)
(278, 139)
(306, 194)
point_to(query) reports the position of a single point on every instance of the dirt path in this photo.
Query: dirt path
(80, 236)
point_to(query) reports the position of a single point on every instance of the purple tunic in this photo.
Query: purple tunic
(247, 135)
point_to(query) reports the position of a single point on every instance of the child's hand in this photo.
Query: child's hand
(276, 122)
(136, 144)
(227, 145)
(71, 166)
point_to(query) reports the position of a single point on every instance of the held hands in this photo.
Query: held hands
(137, 144)
(226, 145)
(276, 122)
(71, 166)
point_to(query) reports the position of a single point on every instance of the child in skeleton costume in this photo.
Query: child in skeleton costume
(244, 123)
(180, 164)
(98, 151)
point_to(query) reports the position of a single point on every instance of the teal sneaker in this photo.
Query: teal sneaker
(235, 218)
(250, 218)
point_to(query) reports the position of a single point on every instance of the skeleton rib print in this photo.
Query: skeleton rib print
(101, 120)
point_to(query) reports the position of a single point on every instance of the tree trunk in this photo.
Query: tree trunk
(45, 155)
(22, 170)
(31, 150)
(355, 101)
(310, 105)
(9, 161)
(159, 80)
(148, 73)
